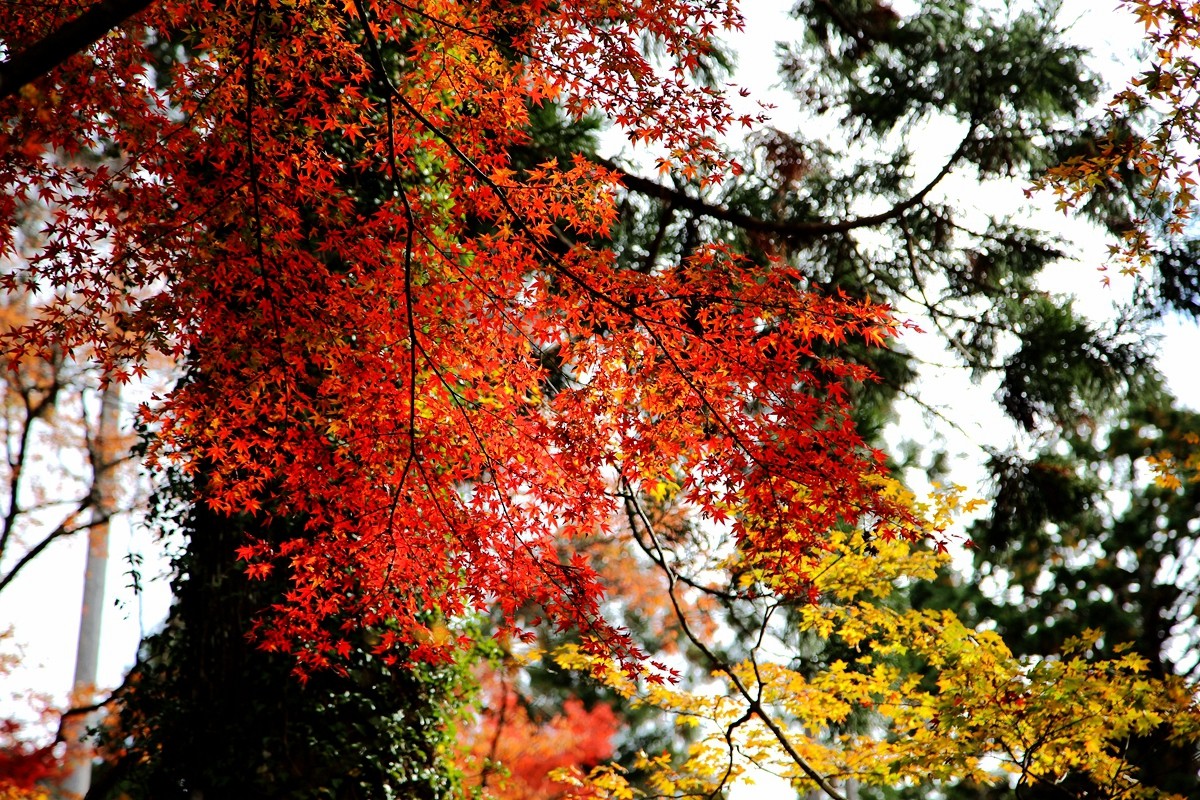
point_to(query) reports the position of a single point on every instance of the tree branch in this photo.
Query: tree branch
(754, 706)
(69, 39)
(799, 230)
(64, 529)
(76, 711)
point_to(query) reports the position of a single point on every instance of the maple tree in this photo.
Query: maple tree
(1147, 156)
(376, 369)
(420, 382)
(366, 291)
(513, 754)
(24, 761)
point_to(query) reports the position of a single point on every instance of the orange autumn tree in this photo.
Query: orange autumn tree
(534, 719)
(512, 753)
(1148, 159)
(315, 208)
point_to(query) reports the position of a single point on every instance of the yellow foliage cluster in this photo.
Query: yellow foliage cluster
(926, 699)
(1171, 472)
(15, 793)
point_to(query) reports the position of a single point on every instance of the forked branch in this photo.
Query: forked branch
(652, 547)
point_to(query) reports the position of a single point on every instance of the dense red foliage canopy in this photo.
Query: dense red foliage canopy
(312, 205)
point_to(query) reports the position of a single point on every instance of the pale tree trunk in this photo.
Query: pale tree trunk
(105, 455)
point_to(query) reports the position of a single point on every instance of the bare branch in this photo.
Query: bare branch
(64, 529)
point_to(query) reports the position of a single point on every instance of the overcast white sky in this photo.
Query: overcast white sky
(44, 604)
